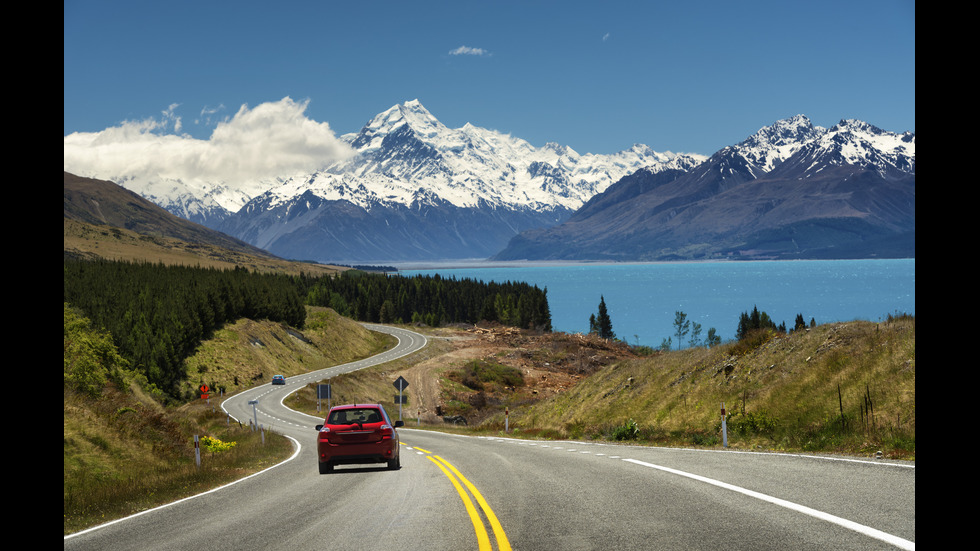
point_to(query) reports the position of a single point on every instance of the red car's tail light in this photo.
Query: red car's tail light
(324, 433)
(386, 431)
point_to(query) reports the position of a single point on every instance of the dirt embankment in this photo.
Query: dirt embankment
(549, 363)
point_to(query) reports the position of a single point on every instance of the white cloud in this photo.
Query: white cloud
(207, 114)
(466, 50)
(272, 139)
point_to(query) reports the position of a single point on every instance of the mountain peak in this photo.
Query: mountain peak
(410, 115)
(775, 143)
(856, 143)
(405, 148)
(411, 112)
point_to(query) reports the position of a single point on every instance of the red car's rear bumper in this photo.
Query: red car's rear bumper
(367, 452)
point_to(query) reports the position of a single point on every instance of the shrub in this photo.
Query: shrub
(752, 423)
(214, 445)
(627, 431)
(476, 373)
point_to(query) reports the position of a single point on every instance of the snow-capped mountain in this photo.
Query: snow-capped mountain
(405, 155)
(854, 143)
(792, 190)
(416, 189)
(407, 187)
(773, 144)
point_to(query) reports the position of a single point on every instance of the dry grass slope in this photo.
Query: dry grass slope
(780, 393)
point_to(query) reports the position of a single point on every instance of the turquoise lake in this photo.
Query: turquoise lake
(642, 299)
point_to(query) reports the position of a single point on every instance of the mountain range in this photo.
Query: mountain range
(414, 189)
(792, 190)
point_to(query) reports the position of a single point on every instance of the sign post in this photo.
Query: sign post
(401, 384)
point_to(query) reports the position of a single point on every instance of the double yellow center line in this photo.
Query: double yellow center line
(459, 481)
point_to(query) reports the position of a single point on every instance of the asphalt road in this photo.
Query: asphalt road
(462, 492)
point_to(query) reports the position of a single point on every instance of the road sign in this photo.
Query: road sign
(323, 391)
(401, 384)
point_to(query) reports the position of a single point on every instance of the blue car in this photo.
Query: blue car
(278, 380)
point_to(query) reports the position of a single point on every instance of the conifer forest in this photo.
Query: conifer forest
(157, 315)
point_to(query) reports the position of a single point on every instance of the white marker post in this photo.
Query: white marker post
(724, 426)
(507, 419)
(197, 451)
(255, 415)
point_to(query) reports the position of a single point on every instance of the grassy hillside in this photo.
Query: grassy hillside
(248, 352)
(89, 241)
(104, 203)
(105, 220)
(125, 452)
(843, 387)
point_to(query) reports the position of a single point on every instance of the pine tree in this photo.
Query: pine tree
(601, 324)
(799, 323)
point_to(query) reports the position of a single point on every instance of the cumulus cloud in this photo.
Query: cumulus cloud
(272, 139)
(466, 50)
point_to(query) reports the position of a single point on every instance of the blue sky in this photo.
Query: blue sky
(689, 76)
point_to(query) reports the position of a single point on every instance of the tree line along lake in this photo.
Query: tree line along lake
(642, 298)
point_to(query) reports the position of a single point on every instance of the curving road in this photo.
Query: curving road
(460, 492)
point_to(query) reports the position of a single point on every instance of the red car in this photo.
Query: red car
(357, 434)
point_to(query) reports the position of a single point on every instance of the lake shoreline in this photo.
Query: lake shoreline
(479, 263)
(643, 298)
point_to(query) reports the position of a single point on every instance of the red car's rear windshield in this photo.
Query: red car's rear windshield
(352, 416)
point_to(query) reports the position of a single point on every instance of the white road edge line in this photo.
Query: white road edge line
(851, 525)
(296, 444)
